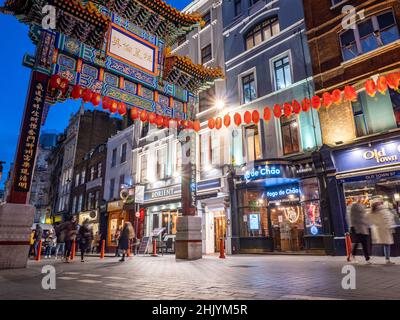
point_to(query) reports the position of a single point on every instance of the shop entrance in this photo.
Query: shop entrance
(219, 229)
(287, 224)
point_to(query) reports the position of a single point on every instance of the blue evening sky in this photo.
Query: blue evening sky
(14, 80)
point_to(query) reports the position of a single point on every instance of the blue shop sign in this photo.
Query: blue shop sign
(262, 172)
(368, 156)
(283, 192)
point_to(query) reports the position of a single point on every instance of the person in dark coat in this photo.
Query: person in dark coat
(37, 237)
(127, 235)
(85, 238)
(70, 228)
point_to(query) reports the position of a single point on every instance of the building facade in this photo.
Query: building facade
(357, 51)
(275, 195)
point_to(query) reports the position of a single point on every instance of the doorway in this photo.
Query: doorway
(219, 229)
(287, 222)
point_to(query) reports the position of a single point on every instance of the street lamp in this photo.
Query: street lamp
(220, 104)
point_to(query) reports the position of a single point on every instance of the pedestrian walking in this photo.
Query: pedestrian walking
(117, 237)
(60, 235)
(85, 238)
(127, 235)
(359, 230)
(96, 242)
(70, 235)
(37, 238)
(382, 227)
(50, 241)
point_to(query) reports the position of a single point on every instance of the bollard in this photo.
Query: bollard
(39, 251)
(348, 245)
(103, 247)
(222, 249)
(73, 250)
(154, 248)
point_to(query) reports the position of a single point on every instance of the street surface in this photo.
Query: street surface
(236, 277)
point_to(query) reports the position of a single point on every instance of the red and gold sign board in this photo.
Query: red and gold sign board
(29, 139)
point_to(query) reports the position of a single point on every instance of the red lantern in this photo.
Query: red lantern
(392, 81)
(64, 85)
(326, 99)
(370, 87)
(337, 96)
(382, 85)
(305, 105)
(152, 117)
(183, 123)
(277, 111)
(296, 107)
(159, 121)
(106, 103)
(190, 125)
(255, 116)
(218, 123)
(134, 113)
(211, 123)
(350, 94)
(247, 117)
(113, 106)
(227, 120)
(166, 122)
(287, 109)
(143, 116)
(196, 126)
(316, 102)
(237, 118)
(55, 81)
(96, 98)
(76, 92)
(87, 95)
(121, 108)
(267, 114)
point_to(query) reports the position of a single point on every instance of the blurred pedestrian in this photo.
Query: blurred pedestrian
(382, 227)
(127, 235)
(60, 234)
(96, 242)
(37, 238)
(71, 230)
(85, 238)
(117, 237)
(359, 229)
(50, 241)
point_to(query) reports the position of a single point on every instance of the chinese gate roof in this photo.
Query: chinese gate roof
(181, 71)
(73, 18)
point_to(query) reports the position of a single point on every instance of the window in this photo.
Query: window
(80, 203)
(237, 7)
(143, 168)
(112, 185)
(368, 35)
(96, 199)
(145, 129)
(207, 19)
(262, 32)
(359, 118)
(77, 178)
(90, 201)
(206, 54)
(83, 176)
(395, 98)
(92, 173)
(121, 181)
(248, 88)
(252, 138)
(282, 73)
(161, 163)
(114, 158)
(206, 99)
(74, 205)
(290, 135)
(123, 153)
(99, 169)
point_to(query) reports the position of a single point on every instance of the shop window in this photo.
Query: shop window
(161, 155)
(290, 135)
(249, 91)
(143, 168)
(114, 158)
(369, 35)
(123, 153)
(206, 99)
(262, 32)
(112, 186)
(237, 7)
(252, 138)
(310, 203)
(253, 215)
(395, 98)
(206, 54)
(169, 219)
(359, 118)
(282, 73)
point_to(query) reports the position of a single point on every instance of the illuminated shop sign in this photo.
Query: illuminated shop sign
(283, 192)
(263, 172)
(369, 156)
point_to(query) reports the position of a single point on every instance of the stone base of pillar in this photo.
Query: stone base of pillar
(15, 233)
(188, 243)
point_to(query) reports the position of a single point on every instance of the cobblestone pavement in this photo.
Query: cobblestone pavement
(237, 277)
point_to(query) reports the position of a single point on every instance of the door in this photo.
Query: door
(219, 229)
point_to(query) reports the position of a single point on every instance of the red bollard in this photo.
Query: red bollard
(103, 247)
(222, 249)
(73, 250)
(154, 248)
(39, 251)
(348, 245)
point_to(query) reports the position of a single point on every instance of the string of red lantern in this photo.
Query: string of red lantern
(336, 97)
